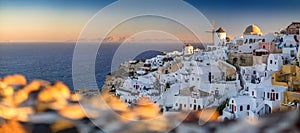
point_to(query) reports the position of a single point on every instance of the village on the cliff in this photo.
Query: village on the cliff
(244, 77)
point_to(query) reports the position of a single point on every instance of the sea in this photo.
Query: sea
(53, 61)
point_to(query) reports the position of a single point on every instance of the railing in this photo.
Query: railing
(259, 107)
(228, 113)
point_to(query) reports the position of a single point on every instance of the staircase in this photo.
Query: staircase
(259, 108)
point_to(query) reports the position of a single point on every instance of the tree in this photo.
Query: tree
(222, 106)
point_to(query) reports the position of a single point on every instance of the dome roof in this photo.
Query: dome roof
(253, 30)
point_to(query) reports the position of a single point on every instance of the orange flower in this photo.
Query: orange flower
(15, 79)
(74, 112)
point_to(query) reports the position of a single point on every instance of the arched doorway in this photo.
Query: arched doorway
(234, 61)
(268, 109)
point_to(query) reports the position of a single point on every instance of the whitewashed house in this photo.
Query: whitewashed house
(220, 38)
(188, 50)
(259, 96)
(251, 76)
(289, 44)
(209, 57)
(275, 62)
(261, 101)
(250, 40)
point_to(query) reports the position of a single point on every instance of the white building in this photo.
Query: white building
(275, 62)
(203, 79)
(251, 76)
(211, 56)
(288, 40)
(187, 102)
(204, 86)
(250, 40)
(259, 96)
(251, 37)
(261, 101)
(220, 39)
(289, 52)
(289, 44)
(188, 49)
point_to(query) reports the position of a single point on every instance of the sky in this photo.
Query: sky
(62, 21)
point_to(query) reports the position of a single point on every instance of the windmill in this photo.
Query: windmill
(213, 31)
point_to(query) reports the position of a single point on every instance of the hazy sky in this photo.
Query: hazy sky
(59, 21)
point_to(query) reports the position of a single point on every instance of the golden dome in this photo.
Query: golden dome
(253, 30)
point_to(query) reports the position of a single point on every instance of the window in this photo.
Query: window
(277, 96)
(250, 41)
(235, 60)
(271, 61)
(195, 101)
(176, 104)
(250, 47)
(265, 74)
(241, 108)
(248, 107)
(268, 96)
(243, 61)
(292, 53)
(252, 93)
